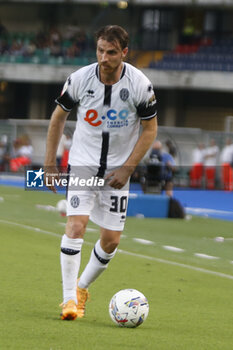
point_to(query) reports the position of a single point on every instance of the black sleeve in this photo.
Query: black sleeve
(147, 108)
(66, 102)
(146, 111)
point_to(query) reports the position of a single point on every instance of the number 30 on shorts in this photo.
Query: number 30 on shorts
(119, 204)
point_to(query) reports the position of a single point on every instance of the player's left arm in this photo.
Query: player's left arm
(147, 137)
(120, 176)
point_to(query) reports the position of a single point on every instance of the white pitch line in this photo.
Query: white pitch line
(174, 263)
(37, 229)
(163, 261)
(173, 249)
(206, 210)
(143, 241)
(206, 256)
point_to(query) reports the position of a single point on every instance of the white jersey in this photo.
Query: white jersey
(198, 156)
(226, 155)
(25, 151)
(211, 155)
(108, 116)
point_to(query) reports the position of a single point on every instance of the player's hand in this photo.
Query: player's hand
(50, 174)
(119, 177)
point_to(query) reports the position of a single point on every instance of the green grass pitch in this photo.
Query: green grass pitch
(190, 297)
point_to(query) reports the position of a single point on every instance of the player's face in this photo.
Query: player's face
(109, 55)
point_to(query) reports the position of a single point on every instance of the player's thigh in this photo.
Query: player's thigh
(109, 211)
(79, 206)
(80, 202)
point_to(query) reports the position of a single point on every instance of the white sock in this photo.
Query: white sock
(70, 263)
(97, 264)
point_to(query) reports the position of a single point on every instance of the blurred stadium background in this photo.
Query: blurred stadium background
(185, 47)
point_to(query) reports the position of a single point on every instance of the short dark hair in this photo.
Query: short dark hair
(113, 33)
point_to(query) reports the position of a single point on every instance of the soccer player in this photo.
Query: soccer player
(113, 99)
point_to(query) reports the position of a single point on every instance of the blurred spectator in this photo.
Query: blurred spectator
(81, 41)
(30, 49)
(3, 152)
(156, 153)
(42, 40)
(210, 161)
(21, 154)
(72, 51)
(188, 31)
(72, 43)
(55, 42)
(226, 160)
(17, 48)
(165, 166)
(171, 148)
(196, 172)
(71, 31)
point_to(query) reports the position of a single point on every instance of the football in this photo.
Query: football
(61, 207)
(129, 308)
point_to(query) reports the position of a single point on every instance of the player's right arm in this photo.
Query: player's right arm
(55, 130)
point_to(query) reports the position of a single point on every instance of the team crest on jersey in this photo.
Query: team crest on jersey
(124, 94)
(74, 201)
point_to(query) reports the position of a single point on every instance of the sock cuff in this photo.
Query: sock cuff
(71, 243)
(100, 253)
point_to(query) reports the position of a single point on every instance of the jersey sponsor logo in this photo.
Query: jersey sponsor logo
(113, 118)
(91, 117)
(124, 94)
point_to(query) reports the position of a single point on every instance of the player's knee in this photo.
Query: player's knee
(75, 229)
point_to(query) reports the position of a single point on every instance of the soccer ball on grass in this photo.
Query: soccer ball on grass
(128, 308)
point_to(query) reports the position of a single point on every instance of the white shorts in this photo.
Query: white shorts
(105, 205)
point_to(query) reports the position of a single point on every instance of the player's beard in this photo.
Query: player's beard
(106, 68)
(109, 69)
